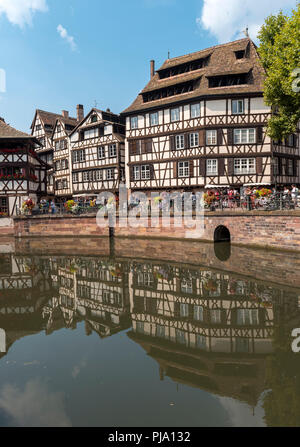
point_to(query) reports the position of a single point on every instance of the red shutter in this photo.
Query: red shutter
(221, 166)
(259, 165)
(203, 167)
(230, 166)
(172, 143)
(191, 168)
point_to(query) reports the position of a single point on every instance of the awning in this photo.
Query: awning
(216, 186)
(86, 195)
(257, 184)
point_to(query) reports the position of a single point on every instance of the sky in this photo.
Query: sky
(55, 54)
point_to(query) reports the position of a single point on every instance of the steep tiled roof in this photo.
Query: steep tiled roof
(222, 61)
(50, 118)
(7, 131)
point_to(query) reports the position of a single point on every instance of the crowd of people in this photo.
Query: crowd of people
(248, 197)
(252, 197)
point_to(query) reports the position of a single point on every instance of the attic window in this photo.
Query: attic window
(94, 119)
(228, 80)
(178, 89)
(184, 68)
(240, 54)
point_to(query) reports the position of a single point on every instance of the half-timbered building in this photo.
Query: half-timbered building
(98, 153)
(22, 173)
(206, 328)
(42, 128)
(201, 122)
(62, 156)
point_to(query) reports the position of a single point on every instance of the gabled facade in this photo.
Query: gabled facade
(22, 173)
(42, 128)
(201, 122)
(62, 156)
(98, 154)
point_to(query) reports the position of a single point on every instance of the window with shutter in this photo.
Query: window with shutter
(202, 137)
(148, 146)
(259, 135)
(175, 170)
(230, 166)
(172, 143)
(221, 166)
(191, 168)
(259, 165)
(202, 167)
(230, 137)
(220, 137)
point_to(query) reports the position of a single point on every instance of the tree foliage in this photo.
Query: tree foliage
(279, 51)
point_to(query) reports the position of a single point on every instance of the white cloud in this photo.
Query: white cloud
(20, 12)
(65, 35)
(226, 19)
(36, 406)
(242, 415)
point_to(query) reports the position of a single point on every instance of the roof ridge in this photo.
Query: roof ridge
(210, 48)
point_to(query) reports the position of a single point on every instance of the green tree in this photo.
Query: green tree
(279, 51)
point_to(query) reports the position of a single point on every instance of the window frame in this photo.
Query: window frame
(197, 104)
(132, 120)
(241, 162)
(233, 101)
(185, 168)
(209, 170)
(239, 141)
(179, 138)
(192, 138)
(150, 118)
(171, 112)
(114, 153)
(213, 137)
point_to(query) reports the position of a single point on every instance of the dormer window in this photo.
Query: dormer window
(58, 129)
(94, 119)
(240, 54)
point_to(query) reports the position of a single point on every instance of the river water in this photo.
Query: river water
(147, 334)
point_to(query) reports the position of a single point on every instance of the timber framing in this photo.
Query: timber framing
(213, 134)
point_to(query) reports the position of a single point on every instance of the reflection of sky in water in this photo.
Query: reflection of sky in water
(146, 345)
(71, 379)
(34, 406)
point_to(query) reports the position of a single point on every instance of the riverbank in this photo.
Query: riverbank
(267, 266)
(278, 230)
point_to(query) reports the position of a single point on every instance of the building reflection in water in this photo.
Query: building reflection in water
(217, 331)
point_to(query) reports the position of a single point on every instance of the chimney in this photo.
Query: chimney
(152, 68)
(80, 112)
(65, 114)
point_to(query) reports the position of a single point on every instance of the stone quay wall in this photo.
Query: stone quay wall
(275, 230)
(6, 227)
(268, 266)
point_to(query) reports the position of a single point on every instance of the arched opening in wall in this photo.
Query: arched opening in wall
(222, 234)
